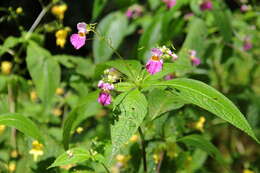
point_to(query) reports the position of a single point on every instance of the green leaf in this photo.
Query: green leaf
(133, 109)
(72, 156)
(206, 97)
(10, 42)
(23, 124)
(205, 145)
(44, 70)
(160, 101)
(86, 108)
(150, 38)
(97, 8)
(112, 29)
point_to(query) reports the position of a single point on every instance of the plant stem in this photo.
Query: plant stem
(11, 102)
(160, 163)
(105, 167)
(143, 148)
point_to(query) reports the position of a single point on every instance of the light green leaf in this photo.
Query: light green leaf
(10, 42)
(206, 97)
(205, 145)
(133, 109)
(98, 7)
(23, 124)
(113, 29)
(72, 156)
(86, 108)
(150, 38)
(44, 70)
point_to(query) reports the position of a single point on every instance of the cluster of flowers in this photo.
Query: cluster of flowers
(106, 85)
(155, 63)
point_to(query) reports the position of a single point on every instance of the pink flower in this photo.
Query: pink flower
(188, 16)
(195, 61)
(169, 77)
(157, 52)
(78, 40)
(170, 3)
(206, 5)
(244, 8)
(129, 13)
(104, 98)
(105, 86)
(134, 11)
(173, 55)
(247, 44)
(154, 65)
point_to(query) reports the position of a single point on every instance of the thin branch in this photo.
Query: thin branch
(143, 148)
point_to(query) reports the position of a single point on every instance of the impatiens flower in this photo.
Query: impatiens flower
(245, 8)
(61, 36)
(199, 125)
(157, 52)
(170, 3)
(173, 55)
(78, 40)
(104, 98)
(206, 5)
(6, 67)
(247, 44)
(195, 61)
(134, 11)
(37, 150)
(169, 77)
(59, 10)
(154, 65)
(2, 128)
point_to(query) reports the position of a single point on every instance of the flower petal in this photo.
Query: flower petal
(77, 41)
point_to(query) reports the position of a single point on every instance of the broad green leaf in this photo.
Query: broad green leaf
(133, 109)
(72, 156)
(130, 68)
(86, 108)
(206, 97)
(97, 8)
(23, 124)
(160, 101)
(44, 70)
(10, 42)
(124, 86)
(111, 29)
(205, 145)
(150, 38)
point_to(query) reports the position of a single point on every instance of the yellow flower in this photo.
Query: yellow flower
(247, 171)
(59, 91)
(33, 96)
(6, 67)
(2, 128)
(79, 130)
(61, 36)
(59, 10)
(37, 150)
(57, 112)
(134, 138)
(156, 158)
(14, 154)
(12, 167)
(122, 159)
(19, 10)
(67, 167)
(200, 124)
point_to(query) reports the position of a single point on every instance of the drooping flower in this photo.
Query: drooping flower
(156, 52)
(12, 167)
(199, 125)
(6, 67)
(61, 36)
(19, 10)
(154, 65)
(247, 44)
(206, 5)
(105, 86)
(134, 138)
(104, 98)
(78, 40)
(59, 91)
(247, 171)
(134, 11)
(59, 10)
(170, 3)
(37, 150)
(79, 130)
(2, 128)
(195, 60)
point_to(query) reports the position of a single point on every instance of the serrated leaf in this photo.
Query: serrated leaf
(86, 108)
(44, 70)
(133, 110)
(113, 28)
(205, 145)
(72, 156)
(23, 124)
(206, 97)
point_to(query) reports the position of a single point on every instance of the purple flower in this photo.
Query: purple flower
(173, 55)
(129, 13)
(105, 86)
(154, 65)
(244, 8)
(195, 61)
(104, 98)
(157, 52)
(169, 77)
(247, 44)
(78, 40)
(170, 3)
(134, 11)
(206, 5)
